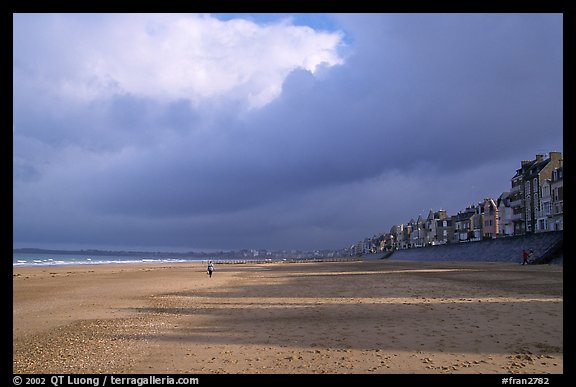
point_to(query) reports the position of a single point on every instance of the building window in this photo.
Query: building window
(542, 224)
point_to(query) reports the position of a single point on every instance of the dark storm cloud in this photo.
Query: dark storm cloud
(427, 111)
(448, 80)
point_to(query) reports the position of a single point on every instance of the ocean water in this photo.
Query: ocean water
(29, 259)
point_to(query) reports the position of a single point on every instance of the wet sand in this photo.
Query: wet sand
(342, 317)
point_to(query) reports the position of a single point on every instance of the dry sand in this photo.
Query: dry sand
(341, 317)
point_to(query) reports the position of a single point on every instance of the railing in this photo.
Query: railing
(517, 217)
(516, 203)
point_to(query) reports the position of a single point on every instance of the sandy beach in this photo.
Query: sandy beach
(334, 317)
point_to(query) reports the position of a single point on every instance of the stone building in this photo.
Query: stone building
(526, 193)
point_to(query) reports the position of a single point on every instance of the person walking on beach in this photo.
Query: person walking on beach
(525, 256)
(210, 268)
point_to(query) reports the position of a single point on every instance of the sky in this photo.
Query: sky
(190, 132)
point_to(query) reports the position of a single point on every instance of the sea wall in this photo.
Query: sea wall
(547, 247)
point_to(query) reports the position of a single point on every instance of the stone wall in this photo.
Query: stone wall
(547, 246)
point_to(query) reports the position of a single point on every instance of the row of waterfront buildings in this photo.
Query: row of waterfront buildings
(534, 203)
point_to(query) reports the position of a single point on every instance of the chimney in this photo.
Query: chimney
(539, 158)
(555, 156)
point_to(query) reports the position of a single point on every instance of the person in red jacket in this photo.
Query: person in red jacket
(525, 256)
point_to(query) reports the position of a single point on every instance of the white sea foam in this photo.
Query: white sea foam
(22, 260)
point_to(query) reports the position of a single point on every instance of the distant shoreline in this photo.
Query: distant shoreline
(30, 260)
(27, 250)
